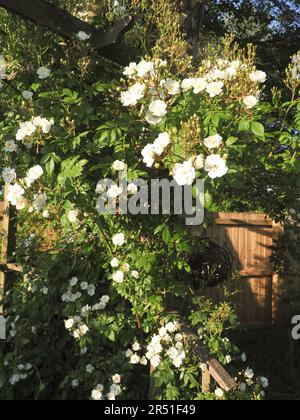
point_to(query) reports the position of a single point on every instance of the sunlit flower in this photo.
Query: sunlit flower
(184, 173)
(213, 142)
(118, 239)
(158, 108)
(214, 88)
(216, 166)
(250, 101)
(172, 86)
(258, 76)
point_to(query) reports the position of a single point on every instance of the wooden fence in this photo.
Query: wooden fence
(249, 238)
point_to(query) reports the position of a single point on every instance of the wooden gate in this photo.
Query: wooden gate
(249, 238)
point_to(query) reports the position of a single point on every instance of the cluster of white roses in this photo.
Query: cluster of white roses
(134, 356)
(167, 343)
(158, 92)
(154, 151)
(23, 372)
(247, 379)
(71, 296)
(28, 129)
(295, 71)
(185, 173)
(115, 390)
(149, 82)
(121, 269)
(16, 191)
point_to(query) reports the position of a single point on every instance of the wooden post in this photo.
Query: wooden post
(277, 230)
(206, 380)
(8, 241)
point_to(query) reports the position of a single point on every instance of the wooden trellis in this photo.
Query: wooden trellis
(8, 242)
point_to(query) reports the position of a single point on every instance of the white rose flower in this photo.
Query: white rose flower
(73, 281)
(258, 76)
(219, 393)
(148, 154)
(228, 359)
(158, 108)
(116, 379)
(199, 162)
(72, 216)
(114, 191)
(118, 277)
(27, 129)
(184, 173)
(119, 165)
(213, 142)
(144, 68)
(91, 290)
(118, 239)
(250, 101)
(69, 323)
(132, 189)
(199, 85)
(264, 382)
(135, 274)
(134, 359)
(155, 361)
(151, 119)
(105, 299)
(83, 36)
(10, 146)
(15, 193)
(249, 374)
(133, 95)
(84, 285)
(75, 383)
(162, 141)
(187, 84)
(96, 395)
(172, 86)
(143, 361)
(242, 387)
(27, 94)
(89, 368)
(214, 88)
(83, 329)
(101, 187)
(43, 73)
(128, 353)
(115, 263)
(231, 71)
(136, 346)
(216, 166)
(171, 327)
(33, 174)
(9, 175)
(130, 70)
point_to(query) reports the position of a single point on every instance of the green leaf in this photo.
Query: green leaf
(166, 235)
(258, 129)
(231, 140)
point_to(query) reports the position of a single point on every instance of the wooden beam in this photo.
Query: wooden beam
(215, 369)
(63, 23)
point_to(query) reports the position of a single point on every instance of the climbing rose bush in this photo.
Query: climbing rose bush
(94, 307)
